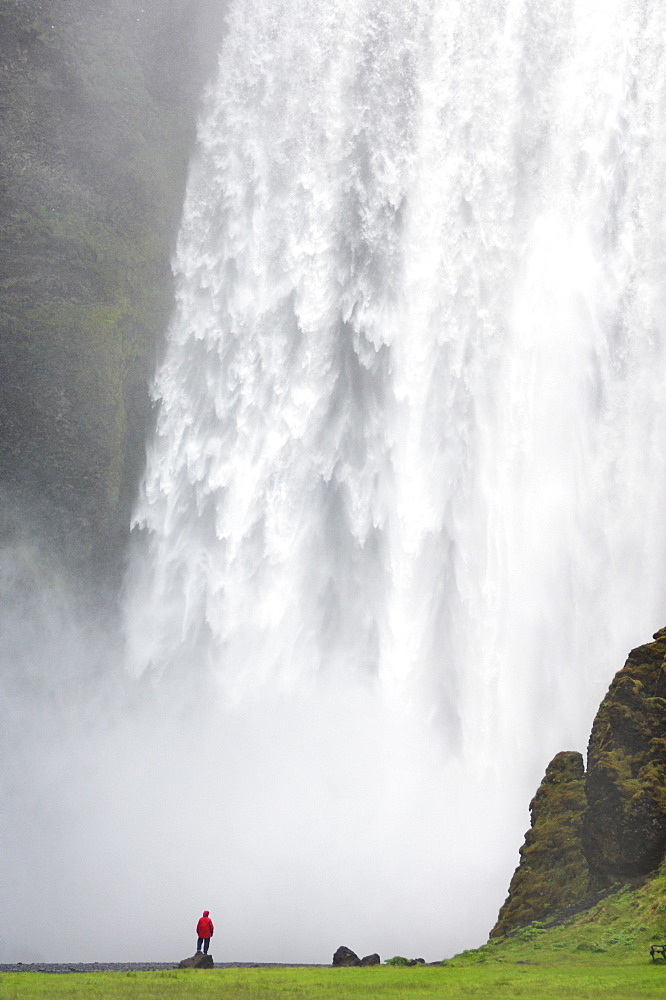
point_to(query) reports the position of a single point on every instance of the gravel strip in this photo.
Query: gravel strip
(138, 966)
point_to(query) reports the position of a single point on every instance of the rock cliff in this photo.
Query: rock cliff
(99, 105)
(592, 830)
(553, 871)
(624, 827)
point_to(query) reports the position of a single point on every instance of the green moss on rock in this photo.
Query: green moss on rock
(552, 873)
(98, 118)
(591, 833)
(624, 830)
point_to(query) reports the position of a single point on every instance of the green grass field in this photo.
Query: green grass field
(493, 979)
(601, 953)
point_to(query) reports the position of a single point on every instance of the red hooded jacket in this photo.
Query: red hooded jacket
(205, 926)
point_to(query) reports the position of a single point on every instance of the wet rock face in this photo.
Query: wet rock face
(553, 872)
(624, 829)
(100, 103)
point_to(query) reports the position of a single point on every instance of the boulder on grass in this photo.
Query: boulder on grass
(197, 961)
(373, 959)
(345, 956)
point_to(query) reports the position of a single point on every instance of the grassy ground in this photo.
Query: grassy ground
(567, 981)
(601, 953)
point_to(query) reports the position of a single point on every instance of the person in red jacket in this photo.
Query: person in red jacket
(205, 932)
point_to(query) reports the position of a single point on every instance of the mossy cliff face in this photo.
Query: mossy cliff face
(624, 831)
(553, 871)
(99, 104)
(593, 831)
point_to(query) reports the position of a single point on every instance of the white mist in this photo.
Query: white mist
(402, 517)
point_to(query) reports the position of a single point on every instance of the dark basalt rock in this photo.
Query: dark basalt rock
(345, 957)
(624, 829)
(553, 872)
(373, 959)
(197, 961)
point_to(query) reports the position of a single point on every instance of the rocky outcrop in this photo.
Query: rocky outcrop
(590, 832)
(624, 830)
(197, 961)
(345, 957)
(553, 871)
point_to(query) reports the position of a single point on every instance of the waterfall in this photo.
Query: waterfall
(402, 516)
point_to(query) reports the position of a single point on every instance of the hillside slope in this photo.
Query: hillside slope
(619, 927)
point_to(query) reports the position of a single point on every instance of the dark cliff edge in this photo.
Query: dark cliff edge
(99, 104)
(597, 830)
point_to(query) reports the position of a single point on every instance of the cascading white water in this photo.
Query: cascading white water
(403, 512)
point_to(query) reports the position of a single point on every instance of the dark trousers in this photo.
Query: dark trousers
(206, 942)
